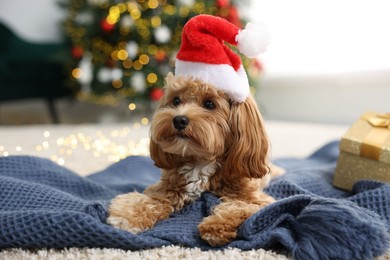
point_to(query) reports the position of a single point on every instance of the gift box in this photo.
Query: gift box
(364, 152)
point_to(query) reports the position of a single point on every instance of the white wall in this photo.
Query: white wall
(325, 98)
(316, 37)
(329, 61)
(35, 21)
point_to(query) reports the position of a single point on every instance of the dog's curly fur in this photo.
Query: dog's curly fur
(202, 142)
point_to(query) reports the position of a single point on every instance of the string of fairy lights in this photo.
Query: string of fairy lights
(107, 145)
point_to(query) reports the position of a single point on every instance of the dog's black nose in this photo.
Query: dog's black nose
(180, 122)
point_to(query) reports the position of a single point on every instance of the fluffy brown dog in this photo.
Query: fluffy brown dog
(202, 141)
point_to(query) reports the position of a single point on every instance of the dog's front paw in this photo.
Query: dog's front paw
(122, 223)
(136, 212)
(215, 232)
(126, 212)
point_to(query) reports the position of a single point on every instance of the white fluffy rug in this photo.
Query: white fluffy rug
(170, 252)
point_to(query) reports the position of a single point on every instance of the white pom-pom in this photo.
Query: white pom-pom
(253, 40)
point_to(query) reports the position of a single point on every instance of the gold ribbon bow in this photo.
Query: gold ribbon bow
(380, 120)
(372, 143)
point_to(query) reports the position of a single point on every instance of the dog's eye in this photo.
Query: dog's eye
(208, 104)
(176, 101)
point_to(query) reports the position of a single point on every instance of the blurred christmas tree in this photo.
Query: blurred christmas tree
(123, 49)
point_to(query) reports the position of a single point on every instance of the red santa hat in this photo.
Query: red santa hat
(204, 55)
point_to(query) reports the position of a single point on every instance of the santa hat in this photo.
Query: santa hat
(204, 55)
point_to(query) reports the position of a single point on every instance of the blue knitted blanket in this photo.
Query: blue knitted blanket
(43, 205)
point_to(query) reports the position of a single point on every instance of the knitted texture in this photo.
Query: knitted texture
(45, 205)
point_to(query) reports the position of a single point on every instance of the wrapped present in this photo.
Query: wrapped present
(364, 152)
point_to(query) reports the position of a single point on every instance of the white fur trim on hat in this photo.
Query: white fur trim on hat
(222, 76)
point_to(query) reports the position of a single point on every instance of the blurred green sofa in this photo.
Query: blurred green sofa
(31, 70)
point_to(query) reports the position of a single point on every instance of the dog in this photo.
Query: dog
(203, 142)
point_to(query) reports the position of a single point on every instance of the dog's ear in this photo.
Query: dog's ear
(161, 159)
(248, 153)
